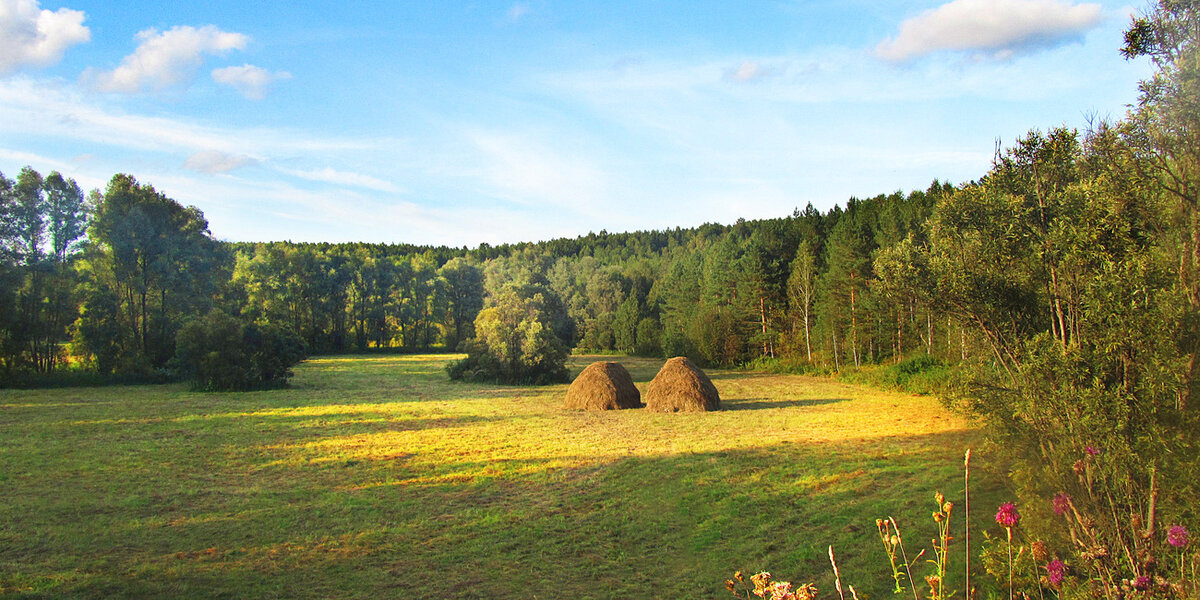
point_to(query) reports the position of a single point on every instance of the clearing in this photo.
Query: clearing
(376, 477)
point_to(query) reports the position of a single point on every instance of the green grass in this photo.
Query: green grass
(375, 477)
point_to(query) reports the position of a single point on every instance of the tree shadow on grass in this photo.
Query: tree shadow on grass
(677, 524)
(761, 403)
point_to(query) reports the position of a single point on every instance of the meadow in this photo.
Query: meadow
(376, 477)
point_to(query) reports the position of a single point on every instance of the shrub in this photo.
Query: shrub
(218, 352)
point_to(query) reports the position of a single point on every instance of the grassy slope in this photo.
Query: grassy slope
(375, 477)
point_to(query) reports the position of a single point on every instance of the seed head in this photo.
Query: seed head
(1040, 552)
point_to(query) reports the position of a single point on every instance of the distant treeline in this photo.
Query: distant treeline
(106, 283)
(872, 282)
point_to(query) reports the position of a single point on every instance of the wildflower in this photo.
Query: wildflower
(762, 582)
(1091, 450)
(1062, 503)
(1079, 467)
(1008, 516)
(1055, 571)
(1142, 583)
(781, 590)
(807, 591)
(731, 586)
(1177, 536)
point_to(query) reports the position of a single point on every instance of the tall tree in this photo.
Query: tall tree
(802, 290)
(464, 285)
(1164, 129)
(28, 216)
(159, 259)
(67, 214)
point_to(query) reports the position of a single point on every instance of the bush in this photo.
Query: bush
(514, 341)
(218, 352)
(921, 374)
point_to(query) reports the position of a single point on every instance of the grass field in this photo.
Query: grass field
(376, 477)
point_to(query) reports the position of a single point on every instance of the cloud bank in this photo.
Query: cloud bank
(996, 28)
(35, 37)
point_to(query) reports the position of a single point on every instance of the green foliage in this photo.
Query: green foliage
(97, 332)
(218, 352)
(919, 374)
(158, 259)
(37, 282)
(515, 341)
(649, 339)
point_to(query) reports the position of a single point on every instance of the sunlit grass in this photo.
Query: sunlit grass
(376, 477)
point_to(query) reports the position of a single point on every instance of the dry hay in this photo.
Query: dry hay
(603, 386)
(680, 386)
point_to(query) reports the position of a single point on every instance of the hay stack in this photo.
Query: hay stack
(681, 387)
(603, 386)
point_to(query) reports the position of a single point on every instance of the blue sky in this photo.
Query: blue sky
(461, 123)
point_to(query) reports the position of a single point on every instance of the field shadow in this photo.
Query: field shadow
(688, 519)
(762, 403)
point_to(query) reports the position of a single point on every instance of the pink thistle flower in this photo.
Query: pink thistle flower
(1008, 516)
(1055, 571)
(1177, 536)
(1141, 583)
(1091, 450)
(1062, 503)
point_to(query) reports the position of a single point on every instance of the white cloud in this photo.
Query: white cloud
(215, 161)
(41, 110)
(167, 58)
(30, 36)
(999, 28)
(249, 80)
(328, 175)
(529, 172)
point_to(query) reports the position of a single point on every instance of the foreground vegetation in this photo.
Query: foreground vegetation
(375, 477)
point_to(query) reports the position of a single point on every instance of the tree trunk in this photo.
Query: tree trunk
(853, 324)
(837, 367)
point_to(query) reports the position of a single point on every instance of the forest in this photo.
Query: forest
(1062, 288)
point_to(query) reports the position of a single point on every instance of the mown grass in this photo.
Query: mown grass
(375, 477)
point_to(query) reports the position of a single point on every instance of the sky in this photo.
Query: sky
(460, 123)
